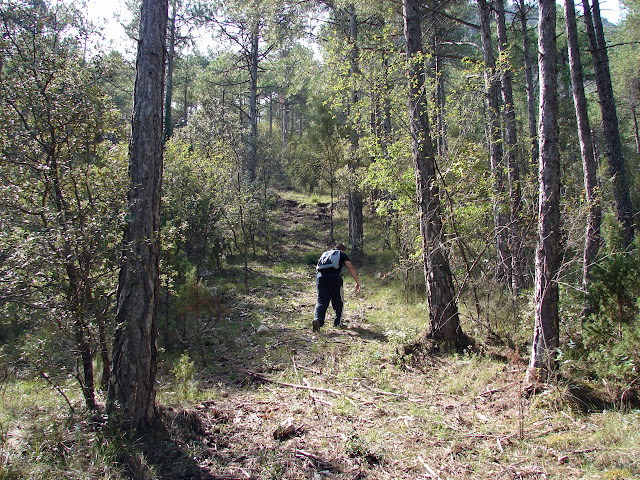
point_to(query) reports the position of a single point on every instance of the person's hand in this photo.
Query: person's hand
(357, 288)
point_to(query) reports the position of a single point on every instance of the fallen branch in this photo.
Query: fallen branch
(58, 389)
(382, 392)
(224, 477)
(302, 453)
(318, 463)
(316, 399)
(257, 376)
(302, 367)
(432, 473)
(499, 389)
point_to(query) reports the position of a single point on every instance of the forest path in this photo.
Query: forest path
(283, 402)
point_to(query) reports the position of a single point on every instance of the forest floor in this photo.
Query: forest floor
(289, 403)
(274, 400)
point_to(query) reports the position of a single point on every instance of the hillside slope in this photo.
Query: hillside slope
(263, 397)
(282, 402)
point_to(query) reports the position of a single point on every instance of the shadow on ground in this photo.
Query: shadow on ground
(367, 334)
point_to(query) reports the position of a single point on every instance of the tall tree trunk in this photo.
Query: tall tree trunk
(546, 327)
(285, 121)
(252, 143)
(492, 90)
(270, 114)
(443, 310)
(589, 163)
(356, 231)
(513, 169)
(132, 390)
(168, 99)
(617, 168)
(634, 112)
(531, 95)
(440, 100)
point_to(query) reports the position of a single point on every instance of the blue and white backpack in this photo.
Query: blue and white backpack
(329, 259)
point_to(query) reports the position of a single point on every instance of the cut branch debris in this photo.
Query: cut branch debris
(263, 378)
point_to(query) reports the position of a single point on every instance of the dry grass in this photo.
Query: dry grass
(357, 412)
(339, 402)
(358, 415)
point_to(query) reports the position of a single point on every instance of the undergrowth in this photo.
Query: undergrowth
(357, 410)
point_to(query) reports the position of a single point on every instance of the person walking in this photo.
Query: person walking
(329, 285)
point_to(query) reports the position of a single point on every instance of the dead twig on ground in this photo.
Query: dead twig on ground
(316, 399)
(496, 390)
(293, 385)
(392, 394)
(432, 473)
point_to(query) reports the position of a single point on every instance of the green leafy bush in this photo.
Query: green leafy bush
(184, 372)
(610, 333)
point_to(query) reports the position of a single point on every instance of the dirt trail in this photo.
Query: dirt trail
(291, 404)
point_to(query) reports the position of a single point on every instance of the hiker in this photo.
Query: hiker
(329, 284)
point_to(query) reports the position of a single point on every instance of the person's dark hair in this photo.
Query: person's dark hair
(341, 247)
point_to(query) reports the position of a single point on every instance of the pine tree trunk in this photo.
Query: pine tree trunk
(617, 168)
(132, 390)
(443, 310)
(513, 169)
(531, 97)
(492, 87)
(356, 232)
(546, 320)
(589, 163)
(252, 142)
(285, 122)
(635, 128)
(168, 99)
(440, 99)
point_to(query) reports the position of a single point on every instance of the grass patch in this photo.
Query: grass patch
(356, 412)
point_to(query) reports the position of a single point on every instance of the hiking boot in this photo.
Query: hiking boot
(315, 325)
(339, 324)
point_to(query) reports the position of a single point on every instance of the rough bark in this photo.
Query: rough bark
(252, 147)
(356, 232)
(168, 98)
(440, 99)
(589, 163)
(132, 390)
(443, 310)
(531, 96)
(617, 168)
(546, 322)
(513, 169)
(492, 91)
(636, 131)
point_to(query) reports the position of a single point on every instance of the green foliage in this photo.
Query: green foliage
(50, 442)
(612, 331)
(194, 200)
(311, 259)
(358, 447)
(184, 372)
(63, 185)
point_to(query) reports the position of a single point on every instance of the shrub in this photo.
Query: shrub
(610, 332)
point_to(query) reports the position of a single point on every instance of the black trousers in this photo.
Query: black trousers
(329, 291)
